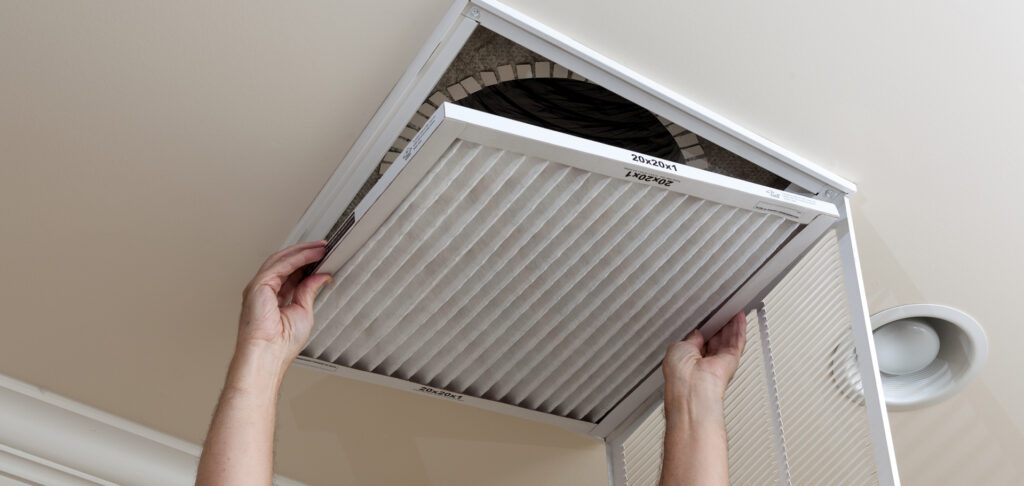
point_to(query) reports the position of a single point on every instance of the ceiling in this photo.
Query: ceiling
(154, 152)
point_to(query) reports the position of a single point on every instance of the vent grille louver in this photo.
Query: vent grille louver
(828, 438)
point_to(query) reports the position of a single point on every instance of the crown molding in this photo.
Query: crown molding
(49, 439)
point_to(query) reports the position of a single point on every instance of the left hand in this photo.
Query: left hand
(277, 305)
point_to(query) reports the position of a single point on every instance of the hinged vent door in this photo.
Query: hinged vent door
(796, 412)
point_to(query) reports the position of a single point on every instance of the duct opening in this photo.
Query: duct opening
(496, 75)
(581, 109)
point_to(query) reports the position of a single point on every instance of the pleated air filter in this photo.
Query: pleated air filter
(500, 261)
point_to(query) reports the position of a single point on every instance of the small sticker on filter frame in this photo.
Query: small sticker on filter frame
(778, 210)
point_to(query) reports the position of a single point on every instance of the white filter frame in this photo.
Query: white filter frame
(419, 80)
(451, 122)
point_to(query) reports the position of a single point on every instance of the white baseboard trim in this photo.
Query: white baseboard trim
(48, 439)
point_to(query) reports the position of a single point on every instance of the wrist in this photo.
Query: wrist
(694, 389)
(694, 406)
(268, 352)
(258, 368)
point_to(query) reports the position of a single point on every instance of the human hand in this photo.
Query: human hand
(277, 305)
(693, 368)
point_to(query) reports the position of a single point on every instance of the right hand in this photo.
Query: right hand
(694, 367)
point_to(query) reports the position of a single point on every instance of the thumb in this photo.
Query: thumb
(695, 338)
(308, 289)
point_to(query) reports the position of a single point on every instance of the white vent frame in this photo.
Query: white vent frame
(422, 75)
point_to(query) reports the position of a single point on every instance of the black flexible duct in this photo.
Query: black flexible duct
(578, 108)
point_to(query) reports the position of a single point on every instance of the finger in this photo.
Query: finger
(734, 334)
(715, 343)
(723, 338)
(741, 332)
(696, 339)
(290, 250)
(284, 297)
(307, 290)
(284, 252)
(279, 271)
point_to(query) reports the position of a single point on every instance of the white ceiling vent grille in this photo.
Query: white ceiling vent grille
(542, 273)
(550, 276)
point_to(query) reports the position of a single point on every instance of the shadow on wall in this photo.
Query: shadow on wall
(968, 439)
(378, 435)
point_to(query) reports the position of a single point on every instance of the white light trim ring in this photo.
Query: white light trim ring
(962, 354)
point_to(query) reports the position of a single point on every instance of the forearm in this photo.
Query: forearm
(695, 441)
(239, 448)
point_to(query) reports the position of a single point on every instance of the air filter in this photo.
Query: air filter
(502, 261)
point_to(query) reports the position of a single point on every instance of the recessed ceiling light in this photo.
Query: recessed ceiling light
(926, 353)
(906, 346)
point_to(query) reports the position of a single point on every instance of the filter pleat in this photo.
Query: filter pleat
(587, 329)
(724, 273)
(418, 242)
(353, 277)
(450, 320)
(567, 292)
(516, 275)
(543, 291)
(356, 270)
(431, 278)
(459, 230)
(482, 257)
(672, 313)
(684, 265)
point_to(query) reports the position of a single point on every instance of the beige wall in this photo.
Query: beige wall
(152, 155)
(154, 151)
